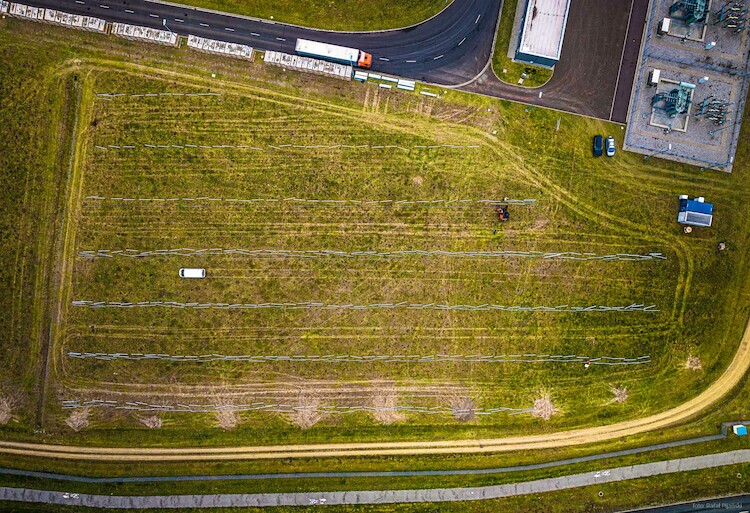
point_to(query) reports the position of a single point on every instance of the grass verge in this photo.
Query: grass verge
(505, 68)
(343, 15)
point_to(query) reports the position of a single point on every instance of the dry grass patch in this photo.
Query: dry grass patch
(78, 419)
(7, 404)
(152, 421)
(621, 394)
(306, 413)
(227, 419)
(463, 408)
(384, 400)
(544, 408)
(694, 363)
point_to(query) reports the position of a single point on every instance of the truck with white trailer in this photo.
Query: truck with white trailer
(335, 53)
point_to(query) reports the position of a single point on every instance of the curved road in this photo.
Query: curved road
(450, 48)
(380, 496)
(594, 76)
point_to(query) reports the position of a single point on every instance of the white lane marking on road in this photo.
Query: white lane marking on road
(462, 42)
(280, 39)
(79, 2)
(154, 15)
(254, 34)
(477, 20)
(179, 20)
(384, 59)
(104, 6)
(204, 24)
(229, 29)
(438, 57)
(129, 11)
(411, 61)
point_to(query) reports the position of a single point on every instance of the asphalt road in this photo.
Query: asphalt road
(586, 77)
(594, 76)
(450, 49)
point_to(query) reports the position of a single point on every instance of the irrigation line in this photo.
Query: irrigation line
(457, 203)
(435, 358)
(109, 96)
(634, 307)
(283, 147)
(327, 253)
(283, 408)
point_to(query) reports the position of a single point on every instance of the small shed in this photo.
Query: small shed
(739, 430)
(695, 212)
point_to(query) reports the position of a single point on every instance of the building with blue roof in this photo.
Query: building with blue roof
(739, 430)
(695, 212)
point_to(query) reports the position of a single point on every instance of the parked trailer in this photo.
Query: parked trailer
(27, 12)
(144, 34)
(220, 47)
(308, 65)
(75, 21)
(335, 53)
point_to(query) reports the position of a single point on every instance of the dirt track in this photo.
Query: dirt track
(716, 391)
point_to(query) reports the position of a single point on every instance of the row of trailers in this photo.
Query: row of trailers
(125, 30)
(315, 57)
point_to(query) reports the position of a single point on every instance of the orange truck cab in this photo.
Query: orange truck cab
(365, 60)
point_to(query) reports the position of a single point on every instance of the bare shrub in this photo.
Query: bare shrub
(621, 394)
(544, 408)
(694, 363)
(151, 422)
(384, 401)
(78, 419)
(7, 404)
(227, 419)
(417, 181)
(306, 412)
(463, 408)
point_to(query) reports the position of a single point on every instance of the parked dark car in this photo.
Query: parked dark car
(598, 145)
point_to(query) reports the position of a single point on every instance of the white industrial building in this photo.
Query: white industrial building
(542, 32)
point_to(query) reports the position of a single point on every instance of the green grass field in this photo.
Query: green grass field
(345, 15)
(603, 206)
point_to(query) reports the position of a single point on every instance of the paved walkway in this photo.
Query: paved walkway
(379, 497)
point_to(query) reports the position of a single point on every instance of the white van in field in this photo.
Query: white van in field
(187, 272)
